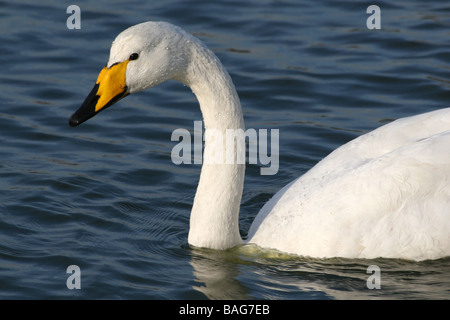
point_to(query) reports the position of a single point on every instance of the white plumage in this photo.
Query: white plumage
(384, 194)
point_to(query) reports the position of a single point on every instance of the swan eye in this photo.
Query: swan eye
(134, 56)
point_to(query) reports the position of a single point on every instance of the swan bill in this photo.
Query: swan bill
(109, 88)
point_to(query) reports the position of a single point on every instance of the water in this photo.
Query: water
(106, 197)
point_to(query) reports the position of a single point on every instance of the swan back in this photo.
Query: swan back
(386, 193)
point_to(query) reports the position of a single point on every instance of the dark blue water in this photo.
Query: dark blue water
(106, 196)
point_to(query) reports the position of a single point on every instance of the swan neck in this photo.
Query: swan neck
(214, 221)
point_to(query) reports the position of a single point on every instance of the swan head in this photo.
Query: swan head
(141, 57)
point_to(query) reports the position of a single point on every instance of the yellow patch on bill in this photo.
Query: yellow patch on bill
(111, 82)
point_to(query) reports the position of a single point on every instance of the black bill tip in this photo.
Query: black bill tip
(74, 121)
(87, 109)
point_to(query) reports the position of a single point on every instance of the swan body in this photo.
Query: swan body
(384, 194)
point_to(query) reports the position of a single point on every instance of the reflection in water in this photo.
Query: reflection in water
(217, 273)
(235, 273)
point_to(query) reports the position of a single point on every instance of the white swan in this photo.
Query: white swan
(384, 194)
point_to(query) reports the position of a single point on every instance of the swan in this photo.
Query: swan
(384, 194)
